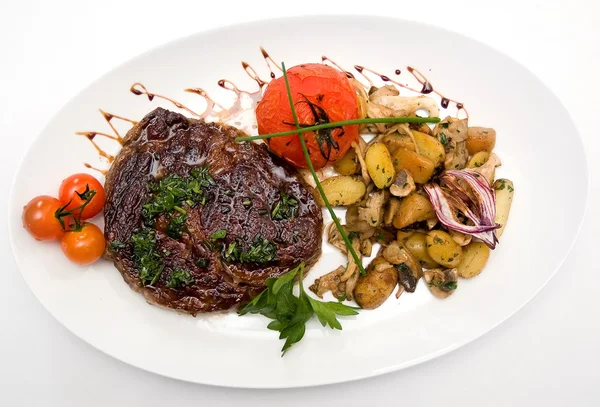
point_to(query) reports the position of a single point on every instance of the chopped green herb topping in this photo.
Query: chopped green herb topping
(443, 139)
(117, 245)
(147, 259)
(218, 234)
(173, 191)
(260, 251)
(176, 226)
(180, 278)
(285, 208)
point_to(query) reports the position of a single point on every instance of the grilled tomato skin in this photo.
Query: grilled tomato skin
(320, 94)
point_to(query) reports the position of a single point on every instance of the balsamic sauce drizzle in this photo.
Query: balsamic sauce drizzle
(222, 113)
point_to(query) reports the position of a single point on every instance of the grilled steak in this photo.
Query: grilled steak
(197, 222)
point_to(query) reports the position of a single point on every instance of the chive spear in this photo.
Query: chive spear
(316, 178)
(418, 120)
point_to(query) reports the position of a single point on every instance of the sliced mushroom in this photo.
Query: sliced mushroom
(489, 168)
(457, 156)
(372, 213)
(366, 248)
(403, 184)
(461, 238)
(329, 282)
(407, 105)
(334, 237)
(451, 128)
(409, 268)
(390, 211)
(387, 90)
(441, 283)
(361, 148)
(354, 224)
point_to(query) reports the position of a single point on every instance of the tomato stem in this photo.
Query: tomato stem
(418, 120)
(63, 212)
(314, 174)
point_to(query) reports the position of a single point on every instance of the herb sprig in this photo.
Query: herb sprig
(316, 178)
(369, 120)
(290, 313)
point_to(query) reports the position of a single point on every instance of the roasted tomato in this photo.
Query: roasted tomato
(321, 94)
(39, 220)
(78, 188)
(85, 245)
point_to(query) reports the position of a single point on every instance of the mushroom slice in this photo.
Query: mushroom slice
(366, 248)
(390, 211)
(360, 148)
(489, 168)
(329, 282)
(354, 224)
(372, 213)
(409, 268)
(461, 238)
(407, 105)
(441, 283)
(387, 90)
(403, 184)
(456, 156)
(334, 237)
(451, 129)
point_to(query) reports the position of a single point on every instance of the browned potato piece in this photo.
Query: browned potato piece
(480, 139)
(504, 195)
(402, 235)
(430, 147)
(478, 159)
(443, 249)
(417, 245)
(342, 190)
(348, 164)
(377, 285)
(379, 165)
(413, 208)
(395, 140)
(474, 259)
(419, 167)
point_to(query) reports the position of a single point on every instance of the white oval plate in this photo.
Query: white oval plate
(537, 142)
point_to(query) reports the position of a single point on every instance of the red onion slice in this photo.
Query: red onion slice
(478, 204)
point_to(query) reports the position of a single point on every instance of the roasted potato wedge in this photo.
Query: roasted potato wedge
(474, 258)
(443, 249)
(504, 196)
(379, 165)
(418, 166)
(395, 140)
(480, 139)
(413, 208)
(478, 159)
(430, 147)
(348, 164)
(417, 245)
(377, 285)
(342, 190)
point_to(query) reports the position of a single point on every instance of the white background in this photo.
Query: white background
(547, 354)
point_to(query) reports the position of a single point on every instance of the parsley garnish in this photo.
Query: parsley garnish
(117, 245)
(353, 235)
(147, 259)
(260, 251)
(173, 191)
(180, 278)
(176, 226)
(218, 234)
(285, 208)
(443, 139)
(290, 313)
(450, 285)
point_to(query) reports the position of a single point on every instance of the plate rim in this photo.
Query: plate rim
(12, 205)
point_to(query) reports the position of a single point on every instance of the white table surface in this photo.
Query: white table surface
(547, 354)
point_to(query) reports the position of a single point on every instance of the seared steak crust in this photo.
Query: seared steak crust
(248, 184)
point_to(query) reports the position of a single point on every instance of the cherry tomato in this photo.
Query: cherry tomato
(39, 220)
(77, 184)
(320, 94)
(83, 246)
